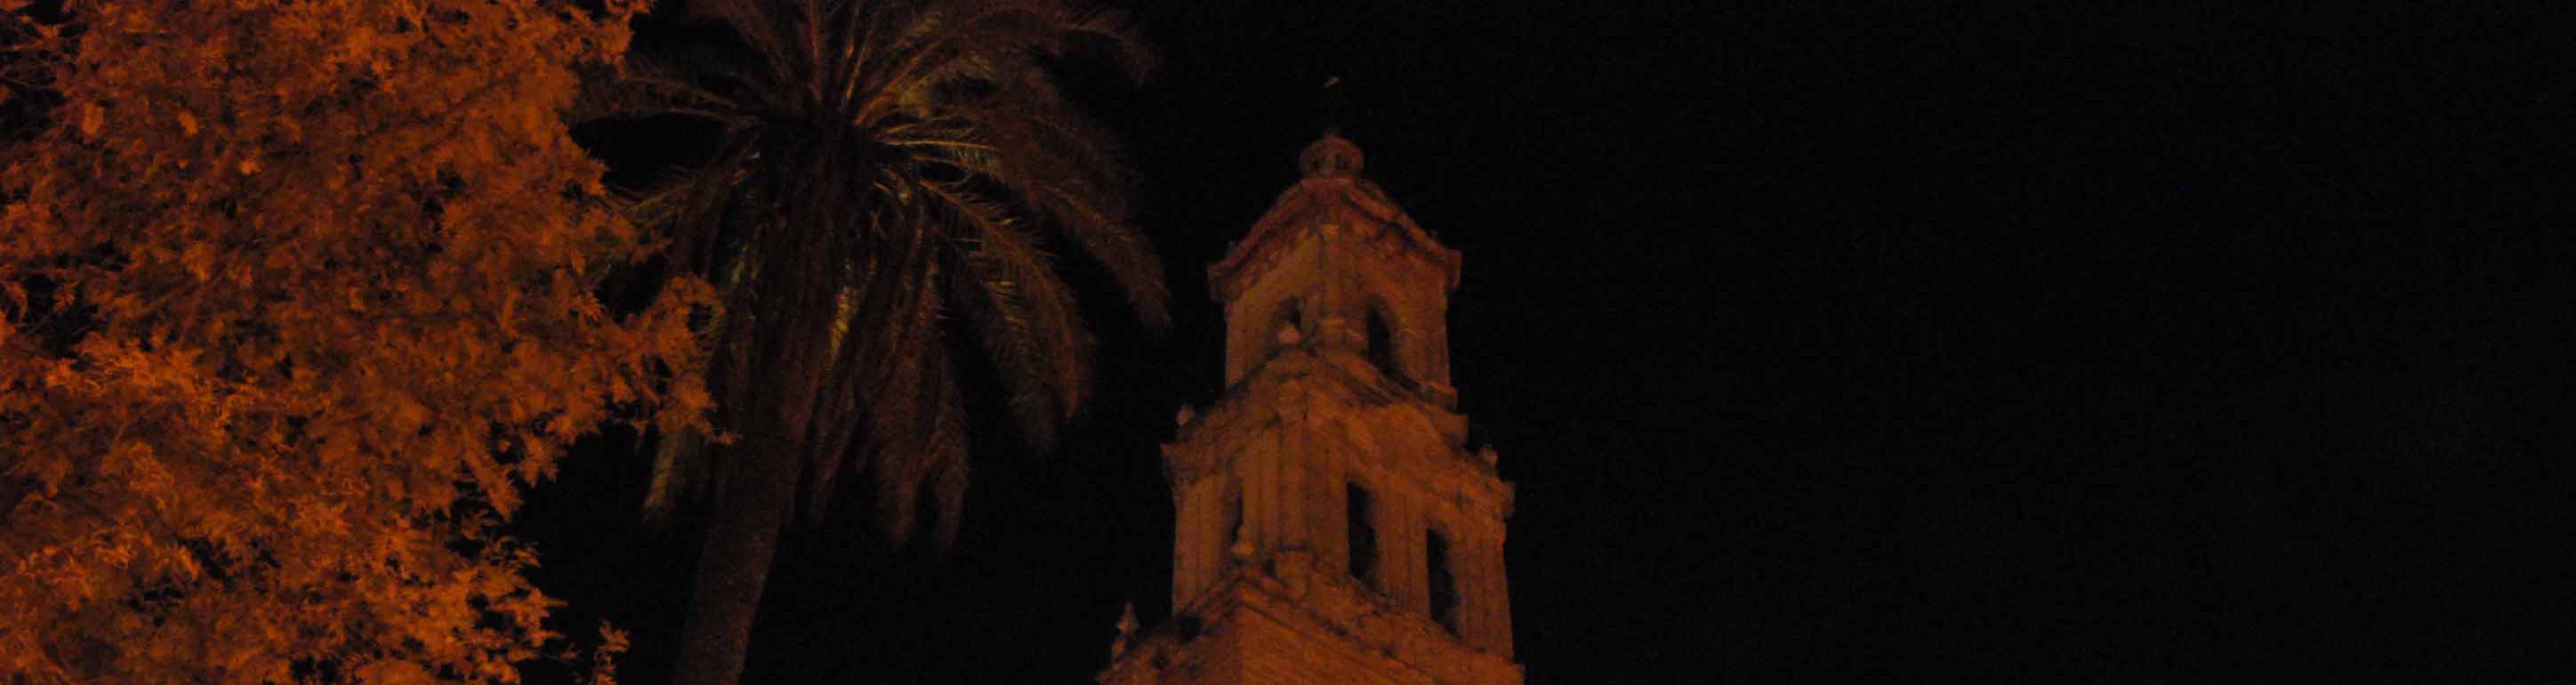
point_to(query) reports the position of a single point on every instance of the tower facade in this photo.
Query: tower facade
(1333, 525)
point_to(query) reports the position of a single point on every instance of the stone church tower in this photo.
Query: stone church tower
(1333, 525)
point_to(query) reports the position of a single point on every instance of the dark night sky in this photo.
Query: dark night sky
(2004, 341)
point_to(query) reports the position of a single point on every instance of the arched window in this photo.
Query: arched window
(1381, 345)
(1233, 520)
(1362, 559)
(1292, 314)
(1444, 581)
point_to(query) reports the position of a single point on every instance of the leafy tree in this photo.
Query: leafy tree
(294, 300)
(881, 165)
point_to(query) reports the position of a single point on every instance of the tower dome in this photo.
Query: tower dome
(1331, 156)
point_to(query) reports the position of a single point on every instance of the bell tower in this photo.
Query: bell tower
(1334, 526)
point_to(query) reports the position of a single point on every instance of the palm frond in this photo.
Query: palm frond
(835, 429)
(1110, 36)
(911, 431)
(763, 25)
(638, 93)
(932, 452)
(1129, 260)
(1024, 313)
(1085, 205)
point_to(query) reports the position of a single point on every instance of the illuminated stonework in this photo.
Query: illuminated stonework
(1333, 525)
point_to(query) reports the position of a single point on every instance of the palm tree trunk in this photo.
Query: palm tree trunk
(734, 566)
(758, 489)
(758, 492)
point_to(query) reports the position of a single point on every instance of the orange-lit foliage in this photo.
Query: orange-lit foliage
(294, 301)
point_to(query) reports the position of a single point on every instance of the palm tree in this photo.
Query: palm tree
(891, 177)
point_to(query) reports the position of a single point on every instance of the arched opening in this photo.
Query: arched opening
(1233, 531)
(1381, 346)
(1292, 315)
(1444, 581)
(1362, 554)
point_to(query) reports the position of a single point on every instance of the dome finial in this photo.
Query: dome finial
(1331, 156)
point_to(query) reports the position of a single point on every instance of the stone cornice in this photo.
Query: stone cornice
(1314, 384)
(1350, 205)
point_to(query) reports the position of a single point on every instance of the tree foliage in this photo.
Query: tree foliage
(295, 298)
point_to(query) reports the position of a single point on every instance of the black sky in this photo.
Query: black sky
(1830, 342)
